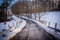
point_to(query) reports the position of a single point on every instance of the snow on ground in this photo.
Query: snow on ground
(53, 17)
(51, 31)
(8, 24)
(12, 27)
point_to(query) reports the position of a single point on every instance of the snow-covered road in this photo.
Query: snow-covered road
(31, 32)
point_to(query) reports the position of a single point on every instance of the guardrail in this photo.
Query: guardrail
(56, 30)
(49, 23)
(42, 25)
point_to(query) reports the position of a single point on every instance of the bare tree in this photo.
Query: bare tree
(3, 8)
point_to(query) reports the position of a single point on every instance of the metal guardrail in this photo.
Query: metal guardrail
(49, 35)
(57, 30)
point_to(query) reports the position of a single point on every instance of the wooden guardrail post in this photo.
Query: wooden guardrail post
(55, 27)
(49, 24)
(35, 16)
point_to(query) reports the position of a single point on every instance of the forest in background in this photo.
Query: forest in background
(35, 6)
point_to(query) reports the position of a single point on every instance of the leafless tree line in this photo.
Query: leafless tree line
(29, 7)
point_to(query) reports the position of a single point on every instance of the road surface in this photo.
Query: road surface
(31, 32)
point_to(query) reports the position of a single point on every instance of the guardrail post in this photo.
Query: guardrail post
(55, 27)
(49, 24)
(35, 16)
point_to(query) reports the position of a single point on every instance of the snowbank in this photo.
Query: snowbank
(52, 17)
(11, 28)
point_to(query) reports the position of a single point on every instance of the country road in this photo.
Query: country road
(31, 32)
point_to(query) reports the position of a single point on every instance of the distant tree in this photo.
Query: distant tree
(59, 5)
(3, 9)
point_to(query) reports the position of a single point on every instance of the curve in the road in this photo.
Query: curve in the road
(31, 32)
